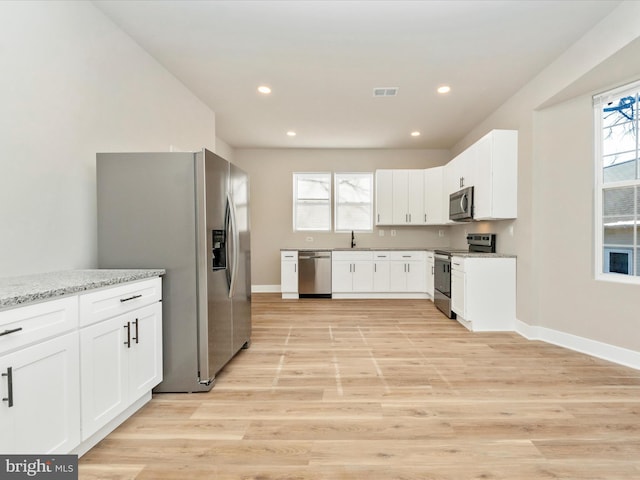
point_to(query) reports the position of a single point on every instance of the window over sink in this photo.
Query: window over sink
(354, 202)
(351, 195)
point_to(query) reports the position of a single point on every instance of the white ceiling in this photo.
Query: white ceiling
(323, 59)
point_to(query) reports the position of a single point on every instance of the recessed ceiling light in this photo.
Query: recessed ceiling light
(444, 89)
(264, 89)
(415, 134)
(291, 133)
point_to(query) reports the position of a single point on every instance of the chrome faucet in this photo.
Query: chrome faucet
(353, 240)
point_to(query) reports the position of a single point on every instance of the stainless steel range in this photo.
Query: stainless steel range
(478, 242)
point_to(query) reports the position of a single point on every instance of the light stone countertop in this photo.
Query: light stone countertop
(402, 249)
(361, 249)
(482, 255)
(15, 291)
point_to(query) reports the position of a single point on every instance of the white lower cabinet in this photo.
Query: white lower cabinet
(430, 264)
(352, 271)
(379, 274)
(67, 370)
(408, 272)
(289, 273)
(458, 289)
(483, 292)
(41, 398)
(121, 360)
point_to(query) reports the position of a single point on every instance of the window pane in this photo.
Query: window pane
(619, 167)
(354, 201)
(620, 138)
(353, 217)
(619, 230)
(312, 201)
(353, 188)
(314, 186)
(618, 260)
(313, 216)
(618, 201)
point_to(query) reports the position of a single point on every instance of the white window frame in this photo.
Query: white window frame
(297, 201)
(337, 204)
(599, 187)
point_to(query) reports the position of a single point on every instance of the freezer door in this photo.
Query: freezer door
(214, 320)
(241, 257)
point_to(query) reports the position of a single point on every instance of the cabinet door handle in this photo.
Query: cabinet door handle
(375, 268)
(136, 324)
(354, 268)
(295, 268)
(130, 298)
(9, 375)
(425, 218)
(378, 218)
(128, 327)
(7, 332)
(408, 268)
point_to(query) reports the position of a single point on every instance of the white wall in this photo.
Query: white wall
(553, 235)
(72, 85)
(225, 150)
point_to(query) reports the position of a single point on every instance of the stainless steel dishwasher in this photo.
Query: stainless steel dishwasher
(314, 273)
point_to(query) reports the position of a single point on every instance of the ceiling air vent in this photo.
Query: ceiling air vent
(385, 91)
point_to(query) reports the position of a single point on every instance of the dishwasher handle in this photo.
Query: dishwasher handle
(310, 257)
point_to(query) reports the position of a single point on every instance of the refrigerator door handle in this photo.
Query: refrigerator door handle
(227, 228)
(236, 241)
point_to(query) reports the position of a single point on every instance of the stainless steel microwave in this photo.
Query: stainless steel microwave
(461, 205)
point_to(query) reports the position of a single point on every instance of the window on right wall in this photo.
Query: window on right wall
(617, 192)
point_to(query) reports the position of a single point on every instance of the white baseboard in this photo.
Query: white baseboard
(265, 288)
(276, 289)
(370, 296)
(619, 355)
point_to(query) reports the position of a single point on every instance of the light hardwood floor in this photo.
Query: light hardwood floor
(385, 389)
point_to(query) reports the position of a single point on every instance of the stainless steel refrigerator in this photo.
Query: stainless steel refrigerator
(189, 214)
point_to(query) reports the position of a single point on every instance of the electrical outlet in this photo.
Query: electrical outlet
(441, 233)
(309, 239)
(381, 233)
(511, 230)
(393, 233)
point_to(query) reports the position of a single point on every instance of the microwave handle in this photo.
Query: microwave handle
(463, 202)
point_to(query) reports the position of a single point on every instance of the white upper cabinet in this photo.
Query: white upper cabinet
(496, 176)
(404, 200)
(384, 197)
(460, 172)
(434, 211)
(421, 197)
